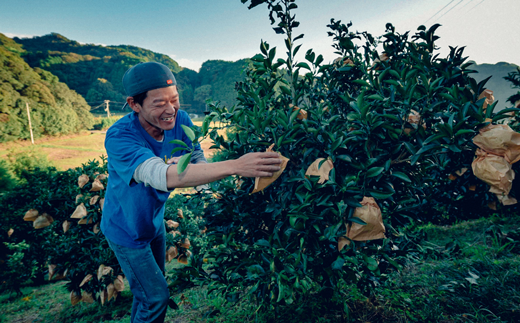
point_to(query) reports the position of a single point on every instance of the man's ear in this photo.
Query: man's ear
(133, 105)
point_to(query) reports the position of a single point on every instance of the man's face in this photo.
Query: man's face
(159, 110)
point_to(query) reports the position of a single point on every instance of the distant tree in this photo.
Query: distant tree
(53, 106)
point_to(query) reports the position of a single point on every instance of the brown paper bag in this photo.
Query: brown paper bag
(119, 283)
(74, 298)
(31, 215)
(499, 140)
(80, 212)
(103, 270)
(496, 172)
(82, 180)
(262, 182)
(302, 115)
(86, 280)
(414, 119)
(43, 221)
(171, 253)
(87, 297)
(382, 58)
(323, 171)
(488, 94)
(374, 228)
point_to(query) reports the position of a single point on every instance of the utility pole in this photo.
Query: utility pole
(29, 117)
(107, 108)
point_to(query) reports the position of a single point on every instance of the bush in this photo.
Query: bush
(395, 125)
(104, 123)
(7, 177)
(27, 160)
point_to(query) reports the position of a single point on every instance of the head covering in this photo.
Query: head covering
(144, 77)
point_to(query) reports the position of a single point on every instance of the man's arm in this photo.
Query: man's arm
(249, 165)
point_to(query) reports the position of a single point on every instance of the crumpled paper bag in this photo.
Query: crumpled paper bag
(488, 94)
(496, 172)
(374, 228)
(382, 58)
(414, 118)
(262, 182)
(499, 140)
(301, 115)
(323, 171)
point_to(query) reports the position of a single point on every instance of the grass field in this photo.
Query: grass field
(73, 150)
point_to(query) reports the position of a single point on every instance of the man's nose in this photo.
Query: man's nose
(171, 108)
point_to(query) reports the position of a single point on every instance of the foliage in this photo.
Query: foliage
(17, 268)
(191, 225)
(41, 189)
(95, 71)
(514, 78)
(72, 248)
(104, 123)
(7, 177)
(280, 246)
(27, 160)
(54, 107)
(435, 286)
(498, 82)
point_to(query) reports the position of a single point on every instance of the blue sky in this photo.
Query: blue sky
(193, 31)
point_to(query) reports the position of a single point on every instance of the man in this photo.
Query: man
(140, 182)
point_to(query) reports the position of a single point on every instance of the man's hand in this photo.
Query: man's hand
(173, 160)
(257, 164)
(249, 165)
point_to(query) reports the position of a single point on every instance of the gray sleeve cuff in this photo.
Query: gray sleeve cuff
(152, 172)
(197, 157)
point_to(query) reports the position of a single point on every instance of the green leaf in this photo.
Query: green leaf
(361, 82)
(371, 263)
(258, 58)
(285, 90)
(272, 54)
(402, 176)
(174, 150)
(433, 138)
(183, 163)
(179, 142)
(463, 131)
(374, 171)
(303, 65)
(205, 125)
(263, 243)
(426, 148)
(375, 97)
(380, 195)
(338, 264)
(357, 220)
(188, 132)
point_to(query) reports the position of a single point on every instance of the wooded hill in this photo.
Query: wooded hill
(43, 70)
(95, 71)
(54, 107)
(501, 88)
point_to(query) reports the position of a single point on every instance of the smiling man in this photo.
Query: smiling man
(140, 181)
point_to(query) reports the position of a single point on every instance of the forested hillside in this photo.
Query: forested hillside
(54, 107)
(95, 71)
(501, 88)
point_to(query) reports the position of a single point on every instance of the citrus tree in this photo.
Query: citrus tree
(384, 125)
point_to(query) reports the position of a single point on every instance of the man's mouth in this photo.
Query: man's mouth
(169, 119)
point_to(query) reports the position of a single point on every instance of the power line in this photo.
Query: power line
(478, 4)
(440, 11)
(450, 9)
(470, 1)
